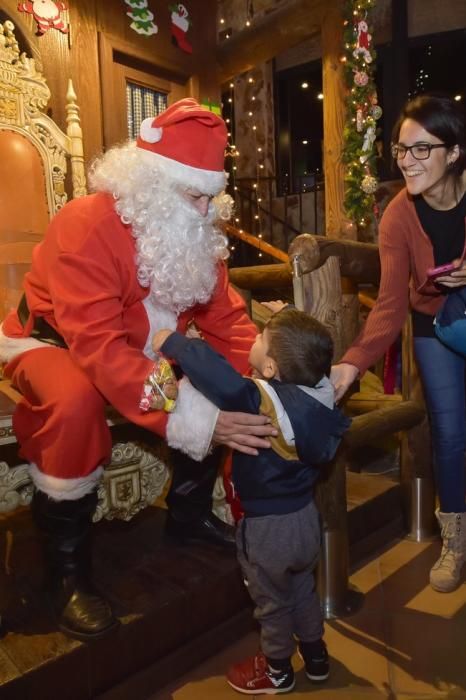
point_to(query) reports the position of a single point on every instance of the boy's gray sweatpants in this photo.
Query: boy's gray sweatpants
(278, 554)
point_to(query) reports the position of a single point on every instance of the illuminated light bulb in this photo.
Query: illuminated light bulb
(228, 133)
(458, 98)
(261, 166)
(232, 85)
(256, 216)
(304, 85)
(222, 21)
(259, 235)
(234, 167)
(230, 99)
(259, 149)
(254, 127)
(305, 142)
(255, 184)
(248, 23)
(249, 114)
(320, 96)
(253, 98)
(260, 255)
(227, 121)
(250, 80)
(237, 220)
(259, 199)
(235, 187)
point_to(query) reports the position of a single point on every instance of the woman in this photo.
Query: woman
(423, 227)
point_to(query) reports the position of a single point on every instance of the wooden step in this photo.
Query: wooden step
(178, 605)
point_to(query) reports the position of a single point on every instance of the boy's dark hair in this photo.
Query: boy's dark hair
(301, 346)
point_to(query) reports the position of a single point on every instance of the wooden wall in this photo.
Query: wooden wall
(78, 56)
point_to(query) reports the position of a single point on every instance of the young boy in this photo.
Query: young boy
(278, 539)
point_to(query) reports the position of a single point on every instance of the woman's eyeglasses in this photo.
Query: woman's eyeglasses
(419, 151)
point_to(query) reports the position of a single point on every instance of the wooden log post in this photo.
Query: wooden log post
(320, 296)
(334, 118)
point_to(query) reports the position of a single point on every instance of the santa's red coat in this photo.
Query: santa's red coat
(83, 281)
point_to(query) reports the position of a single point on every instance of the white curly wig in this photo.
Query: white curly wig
(177, 248)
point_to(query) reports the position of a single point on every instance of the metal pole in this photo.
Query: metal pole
(421, 513)
(298, 285)
(337, 598)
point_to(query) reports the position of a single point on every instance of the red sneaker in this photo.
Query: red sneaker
(254, 677)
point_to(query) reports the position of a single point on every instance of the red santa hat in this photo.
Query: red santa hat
(190, 143)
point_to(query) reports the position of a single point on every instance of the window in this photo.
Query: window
(142, 102)
(299, 127)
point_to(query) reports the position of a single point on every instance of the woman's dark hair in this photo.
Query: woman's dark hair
(301, 346)
(442, 117)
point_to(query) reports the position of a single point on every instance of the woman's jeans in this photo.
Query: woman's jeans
(442, 373)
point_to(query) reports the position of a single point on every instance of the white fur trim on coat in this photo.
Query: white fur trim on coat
(12, 347)
(159, 318)
(206, 181)
(65, 489)
(191, 425)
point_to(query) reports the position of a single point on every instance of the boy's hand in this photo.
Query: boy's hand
(159, 338)
(274, 306)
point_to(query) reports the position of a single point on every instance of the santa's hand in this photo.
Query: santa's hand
(244, 432)
(274, 306)
(159, 338)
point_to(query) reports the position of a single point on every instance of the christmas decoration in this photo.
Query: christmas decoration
(369, 184)
(180, 24)
(362, 112)
(360, 78)
(142, 17)
(46, 13)
(362, 42)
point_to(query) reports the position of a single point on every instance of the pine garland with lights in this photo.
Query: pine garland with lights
(362, 112)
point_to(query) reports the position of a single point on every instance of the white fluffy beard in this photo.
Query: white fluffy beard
(177, 248)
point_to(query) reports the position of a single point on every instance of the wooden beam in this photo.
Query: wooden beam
(269, 36)
(334, 118)
(261, 276)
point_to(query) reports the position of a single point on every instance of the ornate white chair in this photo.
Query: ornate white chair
(34, 154)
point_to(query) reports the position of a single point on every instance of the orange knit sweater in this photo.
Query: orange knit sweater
(405, 254)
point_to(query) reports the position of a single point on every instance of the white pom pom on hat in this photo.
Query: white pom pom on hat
(190, 142)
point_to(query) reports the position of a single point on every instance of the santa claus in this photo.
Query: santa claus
(141, 253)
(46, 13)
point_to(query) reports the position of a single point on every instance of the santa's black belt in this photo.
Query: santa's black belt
(41, 330)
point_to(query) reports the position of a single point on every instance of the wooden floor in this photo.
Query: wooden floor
(407, 642)
(178, 605)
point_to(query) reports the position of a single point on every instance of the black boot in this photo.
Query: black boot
(189, 500)
(80, 610)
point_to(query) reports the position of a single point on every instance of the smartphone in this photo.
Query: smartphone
(441, 270)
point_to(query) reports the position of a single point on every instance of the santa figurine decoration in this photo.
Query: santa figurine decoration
(363, 41)
(46, 13)
(180, 23)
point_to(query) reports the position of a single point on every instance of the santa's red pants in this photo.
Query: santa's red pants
(60, 423)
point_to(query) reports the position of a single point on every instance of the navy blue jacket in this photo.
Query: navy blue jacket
(280, 479)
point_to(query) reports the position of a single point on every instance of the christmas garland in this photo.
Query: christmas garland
(362, 112)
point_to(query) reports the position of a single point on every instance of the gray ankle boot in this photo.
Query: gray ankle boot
(445, 573)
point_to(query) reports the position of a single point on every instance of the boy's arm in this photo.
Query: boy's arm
(209, 372)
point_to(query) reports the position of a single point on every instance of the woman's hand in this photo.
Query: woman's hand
(342, 376)
(244, 432)
(454, 279)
